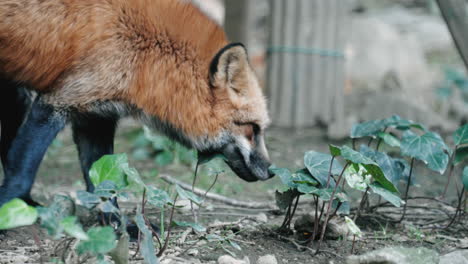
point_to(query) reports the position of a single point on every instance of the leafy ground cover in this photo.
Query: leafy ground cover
(394, 182)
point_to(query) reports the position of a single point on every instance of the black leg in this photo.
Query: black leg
(27, 149)
(14, 105)
(94, 137)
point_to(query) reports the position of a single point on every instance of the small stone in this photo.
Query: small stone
(192, 252)
(262, 218)
(396, 255)
(226, 259)
(455, 257)
(267, 259)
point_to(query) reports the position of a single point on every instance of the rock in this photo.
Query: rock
(226, 259)
(267, 259)
(262, 218)
(396, 255)
(455, 257)
(193, 252)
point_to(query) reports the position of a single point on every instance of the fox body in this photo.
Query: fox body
(92, 62)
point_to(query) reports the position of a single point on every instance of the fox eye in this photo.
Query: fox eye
(249, 130)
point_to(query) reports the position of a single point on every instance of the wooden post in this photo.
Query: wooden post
(455, 15)
(306, 62)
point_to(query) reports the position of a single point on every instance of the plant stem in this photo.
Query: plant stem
(361, 204)
(327, 217)
(460, 201)
(166, 242)
(407, 190)
(354, 242)
(450, 171)
(353, 142)
(316, 219)
(293, 211)
(195, 215)
(330, 172)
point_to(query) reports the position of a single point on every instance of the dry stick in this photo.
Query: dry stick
(407, 189)
(166, 242)
(327, 217)
(219, 198)
(450, 171)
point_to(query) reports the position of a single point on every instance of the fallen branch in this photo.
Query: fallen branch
(217, 197)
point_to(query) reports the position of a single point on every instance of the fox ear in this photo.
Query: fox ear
(228, 65)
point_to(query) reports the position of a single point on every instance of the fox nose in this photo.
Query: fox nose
(270, 174)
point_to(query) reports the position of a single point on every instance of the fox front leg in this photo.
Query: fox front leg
(27, 150)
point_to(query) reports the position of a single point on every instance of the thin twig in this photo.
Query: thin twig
(219, 198)
(450, 171)
(195, 216)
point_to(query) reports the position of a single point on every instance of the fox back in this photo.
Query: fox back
(162, 61)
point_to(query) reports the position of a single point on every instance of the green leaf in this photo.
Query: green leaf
(460, 136)
(16, 213)
(285, 176)
(109, 168)
(195, 226)
(100, 241)
(52, 215)
(369, 128)
(284, 199)
(106, 189)
(355, 157)
(353, 228)
(158, 197)
(73, 228)
(460, 155)
(392, 197)
(234, 245)
(86, 199)
(164, 158)
(108, 207)
(318, 165)
(429, 148)
(465, 178)
(335, 151)
(146, 245)
(188, 195)
(385, 162)
(355, 179)
(389, 139)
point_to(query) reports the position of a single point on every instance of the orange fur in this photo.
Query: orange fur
(153, 54)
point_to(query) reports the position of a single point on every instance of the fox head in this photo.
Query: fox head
(239, 98)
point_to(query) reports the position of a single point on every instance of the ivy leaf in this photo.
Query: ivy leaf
(385, 162)
(391, 197)
(284, 199)
(158, 198)
(429, 148)
(73, 228)
(366, 129)
(195, 226)
(335, 151)
(164, 158)
(109, 168)
(100, 241)
(389, 139)
(460, 136)
(188, 195)
(318, 165)
(16, 213)
(460, 155)
(371, 167)
(86, 199)
(146, 245)
(52, 215)
(285, 176)
(402, 124)
(353, 228)
(106, 189)
(465, 178)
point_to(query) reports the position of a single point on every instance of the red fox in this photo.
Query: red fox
(92, 62)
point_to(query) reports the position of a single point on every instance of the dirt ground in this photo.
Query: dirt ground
(254, 230)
